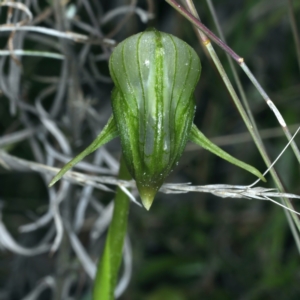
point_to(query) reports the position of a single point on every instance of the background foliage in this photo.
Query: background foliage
(189, 245)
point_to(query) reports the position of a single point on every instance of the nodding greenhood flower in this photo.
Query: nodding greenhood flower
(155, 75)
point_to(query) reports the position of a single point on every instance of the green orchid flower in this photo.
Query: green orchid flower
(153, 105)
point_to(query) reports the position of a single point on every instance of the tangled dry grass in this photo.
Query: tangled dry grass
(52, 67)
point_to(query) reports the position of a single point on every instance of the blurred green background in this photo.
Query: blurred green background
(188, 246)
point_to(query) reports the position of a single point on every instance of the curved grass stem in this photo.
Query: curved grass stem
(204, 32)
(250, 115)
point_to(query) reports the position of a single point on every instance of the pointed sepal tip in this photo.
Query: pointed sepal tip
(147, 194)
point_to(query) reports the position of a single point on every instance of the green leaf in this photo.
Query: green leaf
(108, 133)
(197, 137)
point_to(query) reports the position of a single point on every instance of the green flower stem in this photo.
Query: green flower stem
(109, 264)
